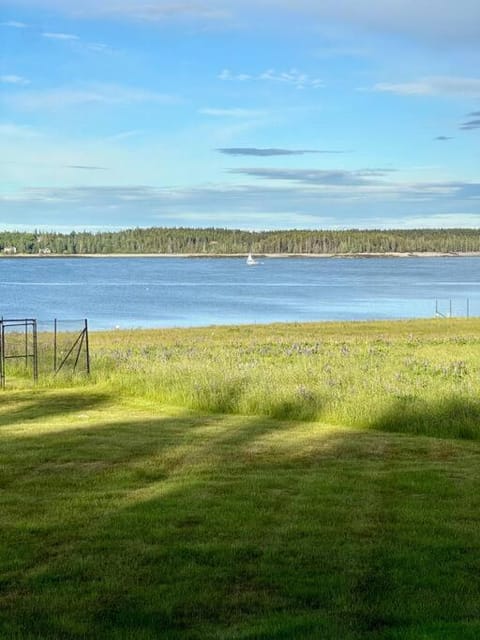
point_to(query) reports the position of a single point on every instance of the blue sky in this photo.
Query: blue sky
(232, 113)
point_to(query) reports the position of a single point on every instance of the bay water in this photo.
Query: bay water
(174, 292)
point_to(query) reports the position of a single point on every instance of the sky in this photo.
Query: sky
(307, 114)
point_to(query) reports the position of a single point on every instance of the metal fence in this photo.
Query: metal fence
(19, 342)
(31, 347)
(454, 308)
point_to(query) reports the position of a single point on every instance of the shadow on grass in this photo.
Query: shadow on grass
(451, 418)
(214, 527)
(16, 409)
(308, 407)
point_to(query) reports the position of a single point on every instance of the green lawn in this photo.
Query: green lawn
(171, 497)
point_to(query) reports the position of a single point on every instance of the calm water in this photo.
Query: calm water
(161, 292)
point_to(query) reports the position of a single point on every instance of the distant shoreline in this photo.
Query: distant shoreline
(389, 254)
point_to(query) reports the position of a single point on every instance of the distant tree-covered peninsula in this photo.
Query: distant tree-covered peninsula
(233, 241)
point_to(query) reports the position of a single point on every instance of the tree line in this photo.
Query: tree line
(214, 241)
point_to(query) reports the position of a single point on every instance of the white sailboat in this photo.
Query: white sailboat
(251, 260)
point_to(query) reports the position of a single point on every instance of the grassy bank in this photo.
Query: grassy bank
(255, 482)
(412, 376)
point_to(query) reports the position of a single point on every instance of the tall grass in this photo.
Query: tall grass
(414, 376)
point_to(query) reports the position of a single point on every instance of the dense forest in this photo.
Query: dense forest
(231, 241)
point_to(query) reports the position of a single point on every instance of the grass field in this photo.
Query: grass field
(282, 481)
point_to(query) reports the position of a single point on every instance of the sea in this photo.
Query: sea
(131, 292)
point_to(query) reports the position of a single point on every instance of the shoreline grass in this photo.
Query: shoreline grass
(417, 376)
(130, 510)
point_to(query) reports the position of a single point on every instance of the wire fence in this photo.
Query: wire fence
(455, 308)
(33, 348)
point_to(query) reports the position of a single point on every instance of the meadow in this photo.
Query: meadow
(277, 481)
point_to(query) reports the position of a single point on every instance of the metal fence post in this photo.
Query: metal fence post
(87, 347)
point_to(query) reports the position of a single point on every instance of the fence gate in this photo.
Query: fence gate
(64, 349)
(18, 341)
(72, 347)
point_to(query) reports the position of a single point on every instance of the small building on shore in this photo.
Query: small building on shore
(9, 251)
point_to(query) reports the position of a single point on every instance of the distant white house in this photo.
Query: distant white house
(10, 250)
(45, 251)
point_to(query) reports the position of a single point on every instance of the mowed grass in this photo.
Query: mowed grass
(152, 502)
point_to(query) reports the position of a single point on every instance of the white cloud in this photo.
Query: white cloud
(60, 98)
(439, 221)
(11, 130)
(66, 228)
(138, 10)
(60, 36)
(99, 47)
(12, 79)
(235, 112)
(14, 24)
(160, 11)
(226, 74)
(75, 41)
(342, 52)
(433, 86)
(292, 77)
(123, 135)
(443, 22)
(296, 78)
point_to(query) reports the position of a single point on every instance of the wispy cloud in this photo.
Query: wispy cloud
(293, 77)
(279, 205)
(161, 11)
(470, 124)
(65, 97)
(433, 86)
(13, 79)
(226, 74)
(43, 165)
(11, 130)
(334, 177)
(296, 78)
(60, 36)
(341, 52)
(473, 122)
(447, 24)
(255, 151)
(242, 194)
(443, 138)
(85, 167)
(453, 220)
(99, 47)
(443, 23)
(14, 24)
(73, 39)
(234, 112)
(77, 43)
(123, 135)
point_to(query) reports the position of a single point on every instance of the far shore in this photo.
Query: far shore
(389, 254)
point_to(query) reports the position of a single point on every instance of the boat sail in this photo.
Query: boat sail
(251, 260)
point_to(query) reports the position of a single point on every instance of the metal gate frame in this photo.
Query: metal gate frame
(30, 351)
(82, 339)
(29, 354)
